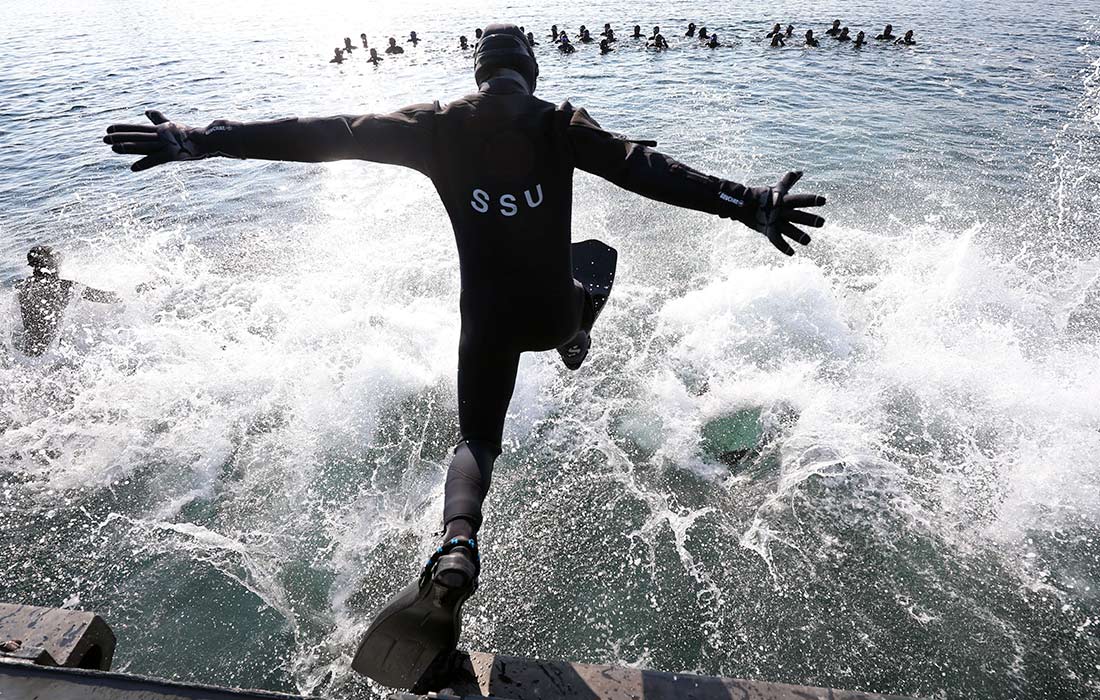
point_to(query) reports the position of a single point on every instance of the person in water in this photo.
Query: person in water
(656, 31)
(348, 48)
(713, 43)
(564, 44)
(393, 47)
(375, 58)
(339, 57)
(907, 40)
(657, 41)
(887, 33)
(413, 39)
(363, 38)
(502, 162)
(637, 32)
(607, 30)
(691, 30)
(477, 35)
(586, 37)
(605, 47)
(531, 39)
(463, 42)
(611, 38)
(790, 31)
(553, 32)
(703, 34)
(777, 40)
(777, 29)
(810, 40)
(860, 41)
(843, 36)
(835, 29)
(44, 296)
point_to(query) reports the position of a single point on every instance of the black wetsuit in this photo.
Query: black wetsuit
(502, 162)
(42, 303)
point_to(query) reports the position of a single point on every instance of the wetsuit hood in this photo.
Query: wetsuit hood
(505, 46)
(43, 259)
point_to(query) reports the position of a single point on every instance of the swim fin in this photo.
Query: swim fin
(594, 267)
(422, 622)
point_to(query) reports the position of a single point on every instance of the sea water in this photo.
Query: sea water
(872, 466)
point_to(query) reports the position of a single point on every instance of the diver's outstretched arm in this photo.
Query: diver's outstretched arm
(401, 138)
(99, 296)
(635, 167)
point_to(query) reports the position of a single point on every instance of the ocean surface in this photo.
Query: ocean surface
(870, 466)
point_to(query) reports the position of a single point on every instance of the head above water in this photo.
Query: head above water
(504, 46)
(44, 260)
(888, 28)
(836, 24)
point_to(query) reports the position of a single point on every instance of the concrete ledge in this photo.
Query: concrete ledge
(69, 637)
(24, 681)
(527, 679)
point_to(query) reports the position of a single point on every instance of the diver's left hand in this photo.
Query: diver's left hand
(774, 213)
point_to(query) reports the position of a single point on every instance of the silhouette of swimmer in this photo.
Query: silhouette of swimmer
(835, 29)
(374, 57)
(810, 40)
(413, 39)
(586, 37)
(554, 32)
(347, 44)
(843, 36)
(637, 32)
(363, 38)
(790, 30)
(860, 41)
(339, 57)
(907, 40)
(713, 43)
(656, 31)
(477, 34)
(607, 30)
(531, 39)
(393, 47)
(605, 47)
(691, 30)
(463, 42)
(777, 29)
(564, 46)
(611, 38)
(582, 30)
(44, 296)
(703, 35)
(887, 33)
(657, 41)
(777, 40)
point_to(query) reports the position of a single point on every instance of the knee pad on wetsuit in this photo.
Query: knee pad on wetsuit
(468, 480)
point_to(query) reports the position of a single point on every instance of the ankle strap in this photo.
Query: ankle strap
(448, 547)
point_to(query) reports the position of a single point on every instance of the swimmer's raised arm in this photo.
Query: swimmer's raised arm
(403, 137)
(100, 296)
(634, 166)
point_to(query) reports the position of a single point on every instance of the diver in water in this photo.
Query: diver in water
(339, 57)
(502, 162)
(607, 30)
(713, 43)
(703, 34)
(413, 39)
(44, 296)
(810, 40)
(907, 40)
(531, 39)
(553, 32)
(605, 47)
(790, 31)
(611, 38)
(586, 37)
(393, 47)
(691, 30)
(348, 48)
(776, 30)
(656, 31)
(564, 44)
(477, 35)
(887, 33)
(375, 58)
(463, 42)
(363, 38)
(835, 29)
(843, 36)
(860, 41)
(657, 41)
(777, 40)
(637, 32)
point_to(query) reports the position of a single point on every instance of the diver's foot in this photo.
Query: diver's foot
(574, 352)
(457, 565)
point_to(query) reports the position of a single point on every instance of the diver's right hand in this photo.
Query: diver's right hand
(162, 142)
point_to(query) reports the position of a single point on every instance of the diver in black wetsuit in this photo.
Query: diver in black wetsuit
(776, 30)
(607, 33)
(553, 32)
(477, 34)
(703, 34)
(502, 161)
(347, 45)
(586, 37)
(463, 42)
(843, 36)
(691, 30)
(907, 40)
(887, 33)
(657, 41)
(375, 58)
(835, 29)
(413, 39)
(393, 47)
(790, 31)
(531, 39)
(564, 44)
(605, 47)
(860, 40)
(363, 38)
(777, 40)
(713, 43)
(810, 40)
(338, 57)
(637, 32)
(44, 296)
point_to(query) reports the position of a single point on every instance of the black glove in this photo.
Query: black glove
(162, 142)
(774, 213)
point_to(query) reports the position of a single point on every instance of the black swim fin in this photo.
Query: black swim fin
(423, 622)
